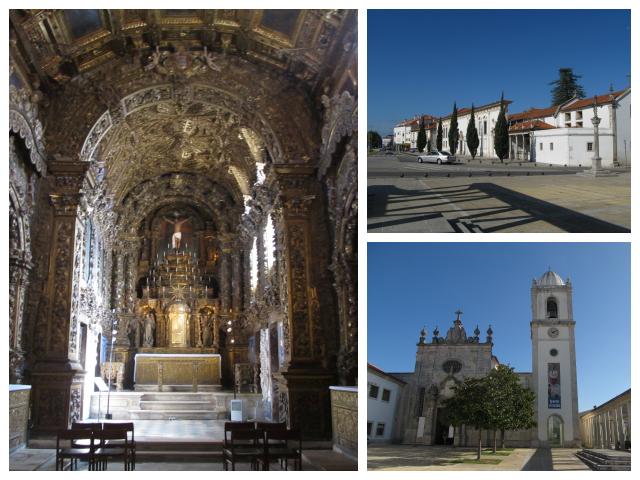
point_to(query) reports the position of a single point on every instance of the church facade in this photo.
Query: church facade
(448, 358)
(183, 210)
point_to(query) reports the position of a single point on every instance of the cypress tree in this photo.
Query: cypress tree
(453, 130)
(566, 87)
(428, 145)
(439, 136)
(501, 135)
(472, 134)
(422, 137)
(374, 139)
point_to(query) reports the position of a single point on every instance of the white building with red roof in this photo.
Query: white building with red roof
(564, 134)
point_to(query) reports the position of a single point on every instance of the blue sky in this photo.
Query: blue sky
(416, 284)
(421, 61)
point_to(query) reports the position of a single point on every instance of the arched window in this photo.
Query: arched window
(552, 308)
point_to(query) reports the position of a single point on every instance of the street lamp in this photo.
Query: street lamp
(114, 332)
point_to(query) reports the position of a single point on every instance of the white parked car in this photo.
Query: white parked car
(435, 156)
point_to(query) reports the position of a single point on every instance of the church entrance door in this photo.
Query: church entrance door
(442, 433)
(555, 432)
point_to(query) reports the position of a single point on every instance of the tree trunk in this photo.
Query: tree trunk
(495, 440)
(479, 444)
(502, 439)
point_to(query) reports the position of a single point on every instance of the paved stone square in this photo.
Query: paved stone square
(475, 198)
(420, 457)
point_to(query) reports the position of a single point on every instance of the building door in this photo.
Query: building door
(555, 431)
(441, 434)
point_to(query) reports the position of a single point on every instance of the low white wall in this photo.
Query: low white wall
(570, 146)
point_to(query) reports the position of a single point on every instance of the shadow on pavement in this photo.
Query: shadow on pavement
(387, 201)
(540, 460)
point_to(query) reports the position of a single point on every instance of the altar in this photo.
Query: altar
(177, 372)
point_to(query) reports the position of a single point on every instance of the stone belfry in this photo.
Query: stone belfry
(554, 362)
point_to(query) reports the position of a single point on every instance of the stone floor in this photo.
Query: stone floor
(44, 459)
(412, 458)
(561, 203)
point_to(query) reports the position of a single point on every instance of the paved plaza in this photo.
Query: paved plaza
(420, 457)
(404, 196)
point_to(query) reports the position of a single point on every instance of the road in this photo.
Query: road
(382, 165)
(405, 196)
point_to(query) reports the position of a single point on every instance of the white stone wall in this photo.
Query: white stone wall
(485, 147)
(623, 131)
(379, 411)
(570, 146)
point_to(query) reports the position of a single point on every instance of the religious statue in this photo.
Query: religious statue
(149, 329)
(205, 328)
(177, 232)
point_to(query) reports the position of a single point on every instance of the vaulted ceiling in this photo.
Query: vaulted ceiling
(146, 95)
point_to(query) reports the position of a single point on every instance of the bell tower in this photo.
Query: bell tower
(554, 362)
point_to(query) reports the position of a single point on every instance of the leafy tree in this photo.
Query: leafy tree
(472, 134)
(374, 139)
(422, 137)
(501, 134)
(453, 130)
(512, 405)
(566, 87)
(470, 406)
(495, 402)
(439, 136)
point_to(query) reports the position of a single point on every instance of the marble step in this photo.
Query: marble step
(176, 405)
(176, 397)
(177, 415)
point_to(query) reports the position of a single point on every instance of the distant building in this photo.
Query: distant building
(486, 117)
(560, 135)
(608, 425)
(563, 135)
(387, 141)
(383, 398)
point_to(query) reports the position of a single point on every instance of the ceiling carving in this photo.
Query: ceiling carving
(152, 97)
(65, 43)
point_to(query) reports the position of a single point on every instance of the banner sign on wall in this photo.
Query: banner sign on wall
(554, 385)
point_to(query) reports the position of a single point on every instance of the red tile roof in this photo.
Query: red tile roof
(588, 102)
(533, 113)
(530, 125)
(465, 110)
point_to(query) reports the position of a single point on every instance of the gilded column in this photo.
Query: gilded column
(57, 376)
(226, 243)
(303, 381)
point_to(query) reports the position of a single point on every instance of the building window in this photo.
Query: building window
(386, 395)
(269, 243)
(380, 429)
(589, 146)
(551, 146)
(579, 118)
(373, 391)
(485, 127)
(552, 308)
(369, 428)
(541, 146)
(451, 366)
(253, 260)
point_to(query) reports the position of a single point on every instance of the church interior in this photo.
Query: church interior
(183, 219)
